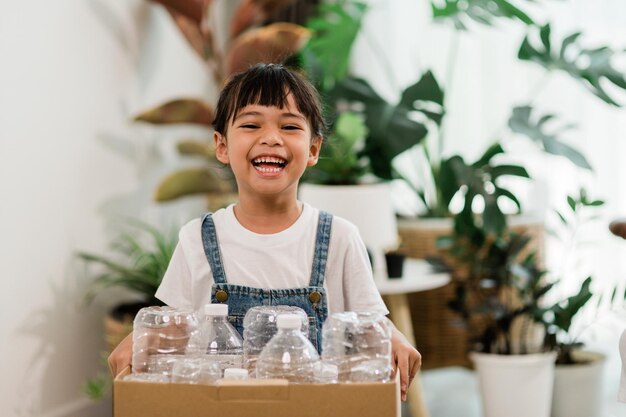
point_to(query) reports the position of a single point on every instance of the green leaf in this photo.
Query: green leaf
(565, 311)
(335, 28)
(563, 219)
(521, 121)
(339, 163)
(390, 128)
(481, 11)
(425, 96)
(572, 203)
(513, 170)
(447, 178)
(486, 158)
(591, 67)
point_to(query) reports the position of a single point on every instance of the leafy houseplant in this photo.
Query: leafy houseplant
(138, 267)
(591, 67)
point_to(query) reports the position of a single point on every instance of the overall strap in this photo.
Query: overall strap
(322, 241)
(212, 249)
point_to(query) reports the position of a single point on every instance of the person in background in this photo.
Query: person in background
(269, 128)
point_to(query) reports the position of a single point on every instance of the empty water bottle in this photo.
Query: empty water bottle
(359, 344)
(160, 334)
(289, 354)
(217, 339)
(259, 325)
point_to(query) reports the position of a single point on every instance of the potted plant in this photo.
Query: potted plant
(138, 260)
(497, 293)
(437, 174)
(577, 370)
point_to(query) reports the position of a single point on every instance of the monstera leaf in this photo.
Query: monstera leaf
(392, 128)
(592, 67)
(481, 179)
(481, 11)
(521, 122)
(179, 111)
(335, 28)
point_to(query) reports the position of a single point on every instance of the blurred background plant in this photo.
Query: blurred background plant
(136, 263)
(478, 186)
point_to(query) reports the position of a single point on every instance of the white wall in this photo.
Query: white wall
(72, 74)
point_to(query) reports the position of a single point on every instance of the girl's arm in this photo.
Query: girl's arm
(405, 359)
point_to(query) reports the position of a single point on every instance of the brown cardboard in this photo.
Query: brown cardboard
(272, 398)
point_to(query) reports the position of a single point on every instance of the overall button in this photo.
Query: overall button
(315, 297)
(221, 296)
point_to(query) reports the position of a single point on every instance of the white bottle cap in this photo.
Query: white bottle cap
(235, 373)
(288, 321)
(216, 309)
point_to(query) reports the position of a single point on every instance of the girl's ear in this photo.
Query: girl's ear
(314, 150)
(221, 150)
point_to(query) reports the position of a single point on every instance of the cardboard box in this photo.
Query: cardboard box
(272, 398)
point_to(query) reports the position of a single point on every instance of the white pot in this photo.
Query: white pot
(515, 385)
(368, 206)
(578, 388)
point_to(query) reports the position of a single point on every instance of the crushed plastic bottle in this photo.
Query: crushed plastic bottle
(160, 335)
(359, 343)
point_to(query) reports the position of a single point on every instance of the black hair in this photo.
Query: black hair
(268, 85)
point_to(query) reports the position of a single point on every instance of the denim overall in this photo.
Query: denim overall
(311, 299)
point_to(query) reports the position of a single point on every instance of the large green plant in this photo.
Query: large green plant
(591, 67)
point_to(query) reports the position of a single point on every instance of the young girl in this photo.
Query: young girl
(270, 248)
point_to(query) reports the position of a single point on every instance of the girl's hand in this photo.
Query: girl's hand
(404, 358)
(121, 356)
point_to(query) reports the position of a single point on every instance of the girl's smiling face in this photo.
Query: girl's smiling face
(268, 149)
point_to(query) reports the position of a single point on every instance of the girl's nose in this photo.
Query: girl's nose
(271, 139)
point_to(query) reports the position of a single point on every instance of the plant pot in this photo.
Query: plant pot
(578, 387)
(515, 385)
(443, 335)
(368, 206)
(395, 264)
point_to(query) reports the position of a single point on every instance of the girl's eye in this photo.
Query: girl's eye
(292, 127)
(249, 126)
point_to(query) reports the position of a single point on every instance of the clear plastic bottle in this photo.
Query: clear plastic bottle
(160, 336)
(217, 339)
(289, 354)
(259, 325)
(359, 343)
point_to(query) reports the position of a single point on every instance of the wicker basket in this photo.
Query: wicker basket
(116, 330)
(441, 337)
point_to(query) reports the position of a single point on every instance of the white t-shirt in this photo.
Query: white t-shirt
(272, 261)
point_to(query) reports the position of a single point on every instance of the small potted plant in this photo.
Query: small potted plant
(138, 260)
(498, 289)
